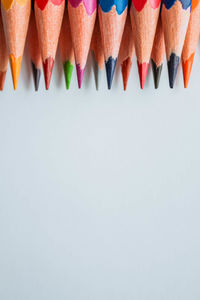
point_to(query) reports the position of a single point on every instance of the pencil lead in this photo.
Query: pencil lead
(126, 68)
(68, 70)
(110, 70)
(173, 64)
(48, 67)
(142, 69)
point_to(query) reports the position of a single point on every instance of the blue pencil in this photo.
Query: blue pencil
(175, 17)
(112, 17)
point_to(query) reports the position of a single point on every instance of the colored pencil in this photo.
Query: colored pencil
(82, 14)
(127, 50)
(97, 52)
(3, 56)
(34, 50)
(49, 15)
(157, 53)
(144, 16)
(15, 14)
(66, 49)
(175, 18)
(112, 17)
(191, 41)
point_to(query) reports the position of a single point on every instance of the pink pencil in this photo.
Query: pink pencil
(82, 15)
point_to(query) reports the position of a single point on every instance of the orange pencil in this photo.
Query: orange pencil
(97, 52)
(66, 49)
(34, 50)
(157, 53)
(15, 14)
(112, 18)
(82, 15)
(144, 16)
(3, 56)
(127, 50)
(48, 14)
(175, 18)
(191, 41)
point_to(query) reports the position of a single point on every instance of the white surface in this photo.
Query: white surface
(99, 191)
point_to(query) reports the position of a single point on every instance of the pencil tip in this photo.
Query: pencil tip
(2, 79)
(36, 75)
(126, 68)
(187, 68)
(173, 64)
(15, 69)
(80, 74)
(68, 69)
(48, 67)
(142, 69)
(110, 70)
(156, 73)
(96, 71)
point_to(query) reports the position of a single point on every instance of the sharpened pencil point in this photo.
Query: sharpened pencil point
(80, 74)
(156, 73)
(95, 70)
(36, 76)
(68, 70)
(142, 69)
(126, 68)
(187, 68)
(2, 79)
(48, 67)
(173, 64)
(15, 64)
(110, 70)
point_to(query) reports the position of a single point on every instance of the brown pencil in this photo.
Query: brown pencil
(127, 50)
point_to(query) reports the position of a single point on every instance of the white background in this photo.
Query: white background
(99, 191)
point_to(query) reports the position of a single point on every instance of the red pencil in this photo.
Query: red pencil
(48, 14)
(144, 17)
